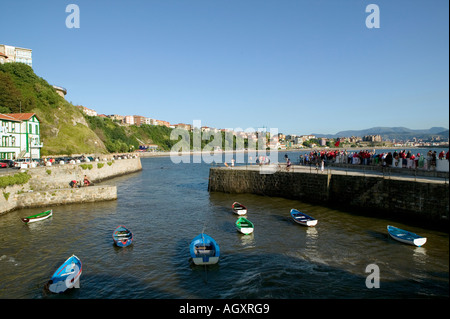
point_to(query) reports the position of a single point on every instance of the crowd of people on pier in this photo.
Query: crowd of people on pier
(401, 159)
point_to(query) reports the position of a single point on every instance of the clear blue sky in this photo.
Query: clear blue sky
(303, 67)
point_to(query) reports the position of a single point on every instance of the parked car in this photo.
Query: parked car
(63, 160)
(3, 165)
(9, 163)
(18, 163)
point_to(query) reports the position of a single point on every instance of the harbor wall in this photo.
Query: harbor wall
(49, 185)
(66, 196)
(59, 176)
(386, 196)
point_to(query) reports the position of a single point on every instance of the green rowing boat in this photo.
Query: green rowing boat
(37, 217)
(244, 226)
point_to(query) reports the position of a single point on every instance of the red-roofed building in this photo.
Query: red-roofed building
(20, 136)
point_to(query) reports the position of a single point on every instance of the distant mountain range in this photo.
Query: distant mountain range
(398, 133)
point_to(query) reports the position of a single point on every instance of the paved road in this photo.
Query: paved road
(8, 171)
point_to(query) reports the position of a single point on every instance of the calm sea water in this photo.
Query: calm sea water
(166, 205)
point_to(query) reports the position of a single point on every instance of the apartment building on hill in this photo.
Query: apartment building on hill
(10, 53)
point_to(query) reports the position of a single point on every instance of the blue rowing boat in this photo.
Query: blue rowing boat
(302, 218)
(405, 236)
(204, 250)
(122, 236)
(67, 276)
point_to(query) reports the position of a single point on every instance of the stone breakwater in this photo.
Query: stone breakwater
(66, 196)
(49, 185)
(393, 195)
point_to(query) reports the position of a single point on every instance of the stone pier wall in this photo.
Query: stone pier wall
(49, 185)
(59, 176)
(66, 196)
(428, 200)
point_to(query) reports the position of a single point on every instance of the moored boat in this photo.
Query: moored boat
(67, 276)
(122, 236)
(204, 250)
(302, 218)
(244, 226)
(405, 236)
(37, 217)
(239, 209)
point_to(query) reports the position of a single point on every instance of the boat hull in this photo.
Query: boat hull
(38, 217)
(67, 276)
(239, 209)
(205, 261)
(204, 250)
(303, 219)
(245, 230)
(122, 236)
(406, 237)
(244, 226)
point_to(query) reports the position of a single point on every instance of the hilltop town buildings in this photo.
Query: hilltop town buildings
(10, 54)
(372, 138)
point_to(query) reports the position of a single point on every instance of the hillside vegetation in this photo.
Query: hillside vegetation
(64, 128)
(119, 138)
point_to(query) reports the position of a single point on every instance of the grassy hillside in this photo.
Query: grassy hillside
(118, 138)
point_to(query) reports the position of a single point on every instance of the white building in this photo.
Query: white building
(3, 58)
(129, 119)
(20, 136)
(87, 111)
(16, 54)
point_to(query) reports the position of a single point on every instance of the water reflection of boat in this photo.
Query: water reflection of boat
(312, 233)
(248, 241)
(420, 255)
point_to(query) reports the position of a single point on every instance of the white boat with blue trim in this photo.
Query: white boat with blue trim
(302, 218)
(405, 236)
(66, 276)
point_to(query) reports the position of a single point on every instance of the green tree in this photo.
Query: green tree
(10, 96)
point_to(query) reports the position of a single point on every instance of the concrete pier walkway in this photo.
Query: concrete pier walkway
(396, 174)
